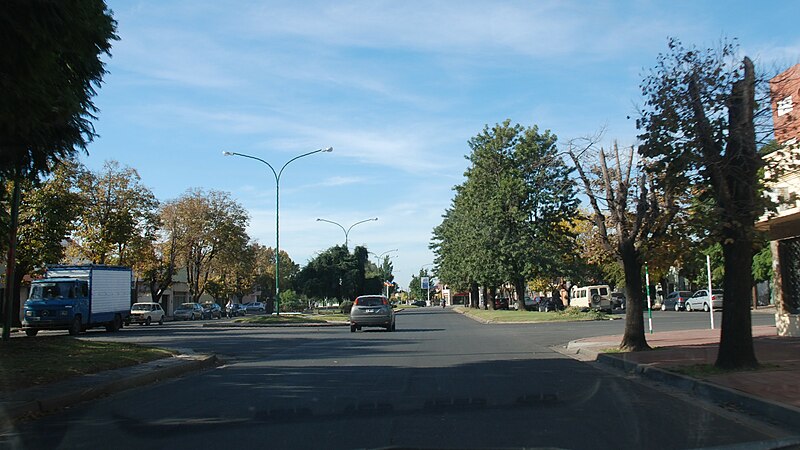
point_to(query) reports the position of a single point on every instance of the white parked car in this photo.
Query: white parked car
(700, 301)
(146, 313)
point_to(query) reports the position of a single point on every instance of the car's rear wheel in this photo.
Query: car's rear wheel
(31, 333)
(705, 307)
(688, 307)
(352, 328)
(663, 306)
(161, 320)
(394, 326)
(148, 321)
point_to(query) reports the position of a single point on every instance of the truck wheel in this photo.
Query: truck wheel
(114, 325)
(30, 332)
(75, 328)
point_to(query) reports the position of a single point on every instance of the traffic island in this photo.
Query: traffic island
(514, 317)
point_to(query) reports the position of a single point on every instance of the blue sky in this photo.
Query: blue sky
(396, 87)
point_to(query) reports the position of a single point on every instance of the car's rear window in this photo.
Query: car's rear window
(369, 301)
(717, 291)
(685, 294)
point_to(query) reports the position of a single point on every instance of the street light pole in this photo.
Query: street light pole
(277, 214)
(347, 231)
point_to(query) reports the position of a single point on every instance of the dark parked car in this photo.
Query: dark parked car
(547, 304)
(532, 303)
(211, 311)
(236, 310)
(419, 303)
(676, 300)
(500, 303)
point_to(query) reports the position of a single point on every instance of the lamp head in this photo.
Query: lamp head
(327, 150)
(226, 153)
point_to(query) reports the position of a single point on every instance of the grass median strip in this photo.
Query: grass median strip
(510, 316)
(47, 359)
(294, 318)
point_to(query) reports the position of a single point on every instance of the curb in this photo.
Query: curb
(48, 403)
(786, 415)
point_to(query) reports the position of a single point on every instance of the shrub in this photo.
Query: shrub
(345, 307)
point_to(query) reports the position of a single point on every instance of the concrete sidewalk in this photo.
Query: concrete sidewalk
(772, 392)
(38, 400)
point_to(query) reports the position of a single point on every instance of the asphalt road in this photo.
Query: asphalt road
(440, 381)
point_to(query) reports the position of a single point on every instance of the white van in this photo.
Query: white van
(592, 297)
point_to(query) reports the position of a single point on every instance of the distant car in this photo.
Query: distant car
(146, 313)
(532, 303)
(212, 310)
(188, 311)
(676, 300)
(500, 303)
(255, 307)
(547, 304)
(236, 310)
(618, 300)
(419, 303)
(371, 311)
(700, 300)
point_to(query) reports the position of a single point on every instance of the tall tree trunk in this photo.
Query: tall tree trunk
(736, 338)
(519, 287)
(741, 180)
(474, 301)
(12, 260)
(633, 339)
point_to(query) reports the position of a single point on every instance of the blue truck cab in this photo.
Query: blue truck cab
(75, 298)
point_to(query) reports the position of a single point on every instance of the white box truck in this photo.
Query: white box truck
(75, 298)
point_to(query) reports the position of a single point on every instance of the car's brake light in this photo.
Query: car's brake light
(355, 302)
(713, 297)
(385, 302)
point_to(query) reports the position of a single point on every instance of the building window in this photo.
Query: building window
(785, 106)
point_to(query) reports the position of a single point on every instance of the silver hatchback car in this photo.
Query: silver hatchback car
(371, 311)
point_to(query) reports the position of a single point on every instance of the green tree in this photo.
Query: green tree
(510, 219)
(50, 68)
(337, 273)
(212, 225)
(48, 213)
(698, 124)
(120, 216)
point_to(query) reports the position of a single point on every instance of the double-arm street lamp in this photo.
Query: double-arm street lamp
(347, 231)
(277, 175)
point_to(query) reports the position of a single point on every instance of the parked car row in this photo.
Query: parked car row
(699, 301)
(146, 313)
